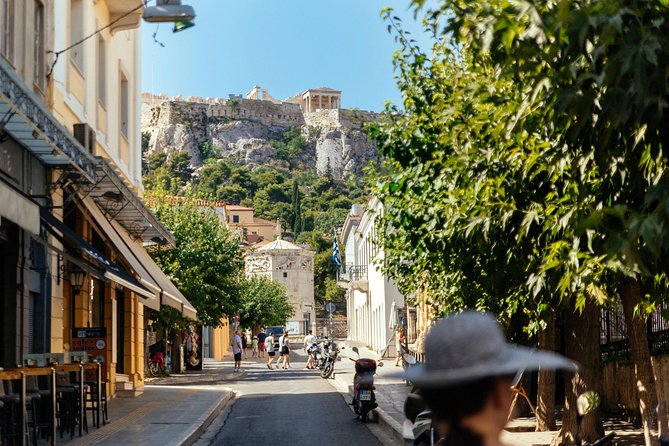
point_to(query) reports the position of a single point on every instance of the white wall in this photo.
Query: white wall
(370, 309)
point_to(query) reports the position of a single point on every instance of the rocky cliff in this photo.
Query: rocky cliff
(243, 129)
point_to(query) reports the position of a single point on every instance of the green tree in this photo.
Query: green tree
(209, 152)
(531, 162)
(594, 72)
(206, 265)
(291, 145)
(263, 302)
(181, 167)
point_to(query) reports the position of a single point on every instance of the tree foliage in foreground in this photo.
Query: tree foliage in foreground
(529, 168)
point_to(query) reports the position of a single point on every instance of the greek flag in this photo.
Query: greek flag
(336, 258)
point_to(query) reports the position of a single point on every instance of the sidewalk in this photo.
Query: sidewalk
(392, 392)
(173, 410)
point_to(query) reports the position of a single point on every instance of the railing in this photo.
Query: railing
(614, 341)
(357, 272)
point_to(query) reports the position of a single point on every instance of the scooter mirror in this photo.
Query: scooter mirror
(355, 349)
(587, 402)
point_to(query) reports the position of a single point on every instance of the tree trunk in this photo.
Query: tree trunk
(546, 383)
(582, 345)
(638, 339)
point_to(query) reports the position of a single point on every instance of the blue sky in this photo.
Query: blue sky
(285, 46)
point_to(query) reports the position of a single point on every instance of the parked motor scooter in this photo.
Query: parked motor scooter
(364, 400)
(157, 358)
(418, 429)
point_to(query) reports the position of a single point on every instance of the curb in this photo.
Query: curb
(388, 423)
(193, 437)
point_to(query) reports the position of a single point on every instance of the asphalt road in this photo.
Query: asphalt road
(288, 407)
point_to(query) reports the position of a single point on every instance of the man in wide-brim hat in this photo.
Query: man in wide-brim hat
(467, 376)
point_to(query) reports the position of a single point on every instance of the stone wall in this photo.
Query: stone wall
(338, 326)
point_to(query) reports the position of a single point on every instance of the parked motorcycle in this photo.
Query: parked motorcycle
(316, 353)
(364, 400)
(156, 358)
(418, 429)
(329, 353)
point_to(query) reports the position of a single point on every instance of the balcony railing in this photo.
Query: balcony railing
(357, 272)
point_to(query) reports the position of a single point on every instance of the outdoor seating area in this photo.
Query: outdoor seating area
(49, 397)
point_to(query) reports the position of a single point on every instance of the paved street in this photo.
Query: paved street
(287, 407)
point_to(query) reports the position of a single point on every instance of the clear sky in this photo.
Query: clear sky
(285, 46)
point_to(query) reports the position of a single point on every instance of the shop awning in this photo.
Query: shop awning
(110, 270)
(123, 244)
(171, 295)
(150, 274)
(19, 209)
(120, 203)
(25, 117)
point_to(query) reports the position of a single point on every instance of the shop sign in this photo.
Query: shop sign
(94, 342)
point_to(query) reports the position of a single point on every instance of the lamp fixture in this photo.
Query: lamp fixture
(77, 277)
(169, 11)
(182, 25)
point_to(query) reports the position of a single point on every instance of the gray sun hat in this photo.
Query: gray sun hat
(470, 346)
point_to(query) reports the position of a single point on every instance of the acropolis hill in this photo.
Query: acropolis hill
(243, 125)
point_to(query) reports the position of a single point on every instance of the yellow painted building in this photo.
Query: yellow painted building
(73, 228)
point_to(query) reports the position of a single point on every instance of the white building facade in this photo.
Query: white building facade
(293, 267)
(371, 297)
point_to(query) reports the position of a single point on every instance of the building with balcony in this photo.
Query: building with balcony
(371, 298)
(72, 224)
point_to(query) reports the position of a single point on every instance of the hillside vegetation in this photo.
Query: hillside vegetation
(309, 205)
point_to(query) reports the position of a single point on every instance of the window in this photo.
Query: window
(235, 218)
(77, 33)
(102, 71)
(125, 106)
(7, 38)
(38, 50)
(285, 275)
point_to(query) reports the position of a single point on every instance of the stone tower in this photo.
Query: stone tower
(292, 266)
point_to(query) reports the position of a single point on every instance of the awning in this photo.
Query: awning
(171, 295)
(27, 120)
(19, 209)
(123, 244)
(150, 274)
(113, 272)
(119, 202)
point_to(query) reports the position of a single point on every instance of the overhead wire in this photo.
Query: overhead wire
(97, 31)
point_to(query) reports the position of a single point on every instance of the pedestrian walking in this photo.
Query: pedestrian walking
(284, 345)
(269, 344)
(466, 379)
(237, 350)
(261, 342)
(245, 345)
(309, 341)
(254, 352)
(400, 345)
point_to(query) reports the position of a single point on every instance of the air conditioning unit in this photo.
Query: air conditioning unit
(85, 135)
